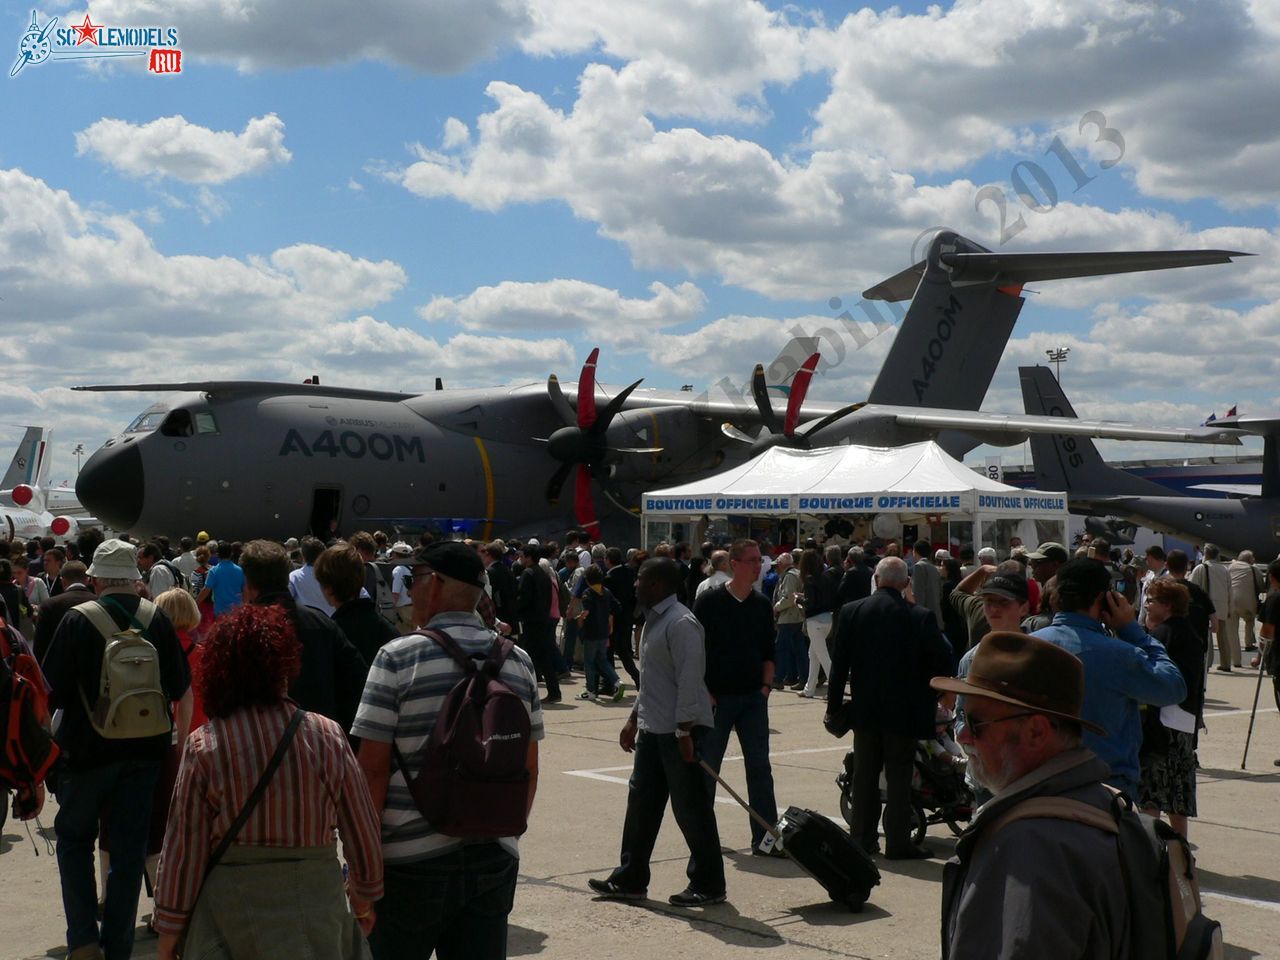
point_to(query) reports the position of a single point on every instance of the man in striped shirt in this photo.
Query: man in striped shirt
(441, 894)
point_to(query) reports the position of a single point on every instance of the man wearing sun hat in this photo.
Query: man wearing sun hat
(111, 776)
(1039, 886)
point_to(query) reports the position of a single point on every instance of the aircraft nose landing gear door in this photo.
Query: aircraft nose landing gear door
(326, 512)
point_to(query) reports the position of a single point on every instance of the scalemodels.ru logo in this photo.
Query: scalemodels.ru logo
(89, 40)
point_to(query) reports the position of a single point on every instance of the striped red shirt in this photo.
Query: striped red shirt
(318, 787)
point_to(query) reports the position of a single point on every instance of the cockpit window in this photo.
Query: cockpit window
(147, 420)
(205, 423)
(177, 424)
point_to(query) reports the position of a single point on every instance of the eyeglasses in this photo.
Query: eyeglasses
(410, 577)
(976, 726)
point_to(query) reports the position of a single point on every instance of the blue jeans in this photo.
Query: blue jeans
(791, 656)
(456, 905)
(123, 791)
(749, 715)
(660, 772)
(595, 661)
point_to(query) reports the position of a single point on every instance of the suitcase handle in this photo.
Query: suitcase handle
(764, 824)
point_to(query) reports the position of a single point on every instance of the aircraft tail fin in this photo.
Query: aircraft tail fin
(1070, 463)
(965, 300)
(1271, 467)
(28, 461)
(779, 373)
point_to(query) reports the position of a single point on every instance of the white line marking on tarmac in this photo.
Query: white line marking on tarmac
(603, 773)
(1235, 713)
(1247, 901)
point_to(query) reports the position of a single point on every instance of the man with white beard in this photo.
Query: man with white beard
(1034, 885)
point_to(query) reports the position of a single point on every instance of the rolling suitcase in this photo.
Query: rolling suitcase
(828, 854)
(821, 849)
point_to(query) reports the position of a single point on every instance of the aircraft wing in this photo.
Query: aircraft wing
(1231, 489)
(227, 388)
(1004, 426)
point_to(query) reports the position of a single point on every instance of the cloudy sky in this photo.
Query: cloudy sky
(482, 190)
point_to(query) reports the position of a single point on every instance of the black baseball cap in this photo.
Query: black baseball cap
(449, 558)
(1011, 586)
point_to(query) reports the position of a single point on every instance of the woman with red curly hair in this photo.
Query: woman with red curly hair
(278, 891)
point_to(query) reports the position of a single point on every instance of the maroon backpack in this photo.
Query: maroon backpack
(474, 780)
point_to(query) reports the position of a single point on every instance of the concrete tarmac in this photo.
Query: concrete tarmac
(773, 906)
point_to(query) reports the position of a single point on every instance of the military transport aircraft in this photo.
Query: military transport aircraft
(246, 458)
(24, 508)
(1073, 464)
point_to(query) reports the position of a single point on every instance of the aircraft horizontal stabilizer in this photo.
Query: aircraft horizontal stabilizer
(979, 424)
(1014, 269)
(1254, 426)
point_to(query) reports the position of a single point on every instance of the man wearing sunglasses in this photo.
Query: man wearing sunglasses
(1036, 886)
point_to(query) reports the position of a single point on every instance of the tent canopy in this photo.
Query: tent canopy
(920, 478)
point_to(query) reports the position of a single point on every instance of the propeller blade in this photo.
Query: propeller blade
(831, 418)
(733, 433)
(584, 510)
(562, 407)
(799, 387)
(760, 390)
(556, 483)
(612, 407)
(587, 391)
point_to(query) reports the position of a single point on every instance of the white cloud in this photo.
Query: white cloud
(89, 299)
(456, 134)
(174, 147)
(835, 223)
(939, 90)
(568, 304)
(444, 36)
(705, 58)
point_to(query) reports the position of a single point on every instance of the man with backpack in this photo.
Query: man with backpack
(159, 573)
(450, 869)
(1056, 865)
(115, 665)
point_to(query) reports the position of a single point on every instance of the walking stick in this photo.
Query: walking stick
(1254, 712)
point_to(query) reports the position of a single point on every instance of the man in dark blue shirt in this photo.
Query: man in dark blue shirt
(738, 622)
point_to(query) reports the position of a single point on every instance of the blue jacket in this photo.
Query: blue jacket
(1120, 673)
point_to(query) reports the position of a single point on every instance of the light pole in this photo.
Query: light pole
(79, 452)
(1058, 356)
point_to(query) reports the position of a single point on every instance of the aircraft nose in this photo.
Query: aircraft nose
(110, 485)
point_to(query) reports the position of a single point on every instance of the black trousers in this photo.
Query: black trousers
(873, 751)
(660, 773)
(539, 642)
(621, 644)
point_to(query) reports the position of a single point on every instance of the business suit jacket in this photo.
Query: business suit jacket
(888, 650)
(533, 602)
(503, 583)
(926, 584)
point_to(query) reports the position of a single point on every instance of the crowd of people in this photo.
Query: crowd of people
(301, 685)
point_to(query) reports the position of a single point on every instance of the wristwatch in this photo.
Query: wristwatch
(681, 734)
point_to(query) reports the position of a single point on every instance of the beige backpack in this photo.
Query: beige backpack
(130, 703)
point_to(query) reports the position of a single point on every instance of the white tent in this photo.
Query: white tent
(916, 481)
